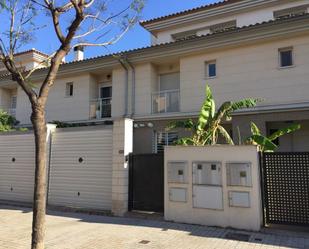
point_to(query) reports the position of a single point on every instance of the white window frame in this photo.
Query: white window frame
(206, 65)
(280, 50)
(67, 89)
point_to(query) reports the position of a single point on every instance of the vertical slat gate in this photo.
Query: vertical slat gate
(146, 182)
(286, 188)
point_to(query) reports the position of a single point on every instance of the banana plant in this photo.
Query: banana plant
(266, 144)
(208, 127)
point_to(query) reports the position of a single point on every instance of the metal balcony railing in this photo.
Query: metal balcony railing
(165, 101)
(101, 108)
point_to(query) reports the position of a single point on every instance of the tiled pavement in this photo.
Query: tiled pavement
(82, 231)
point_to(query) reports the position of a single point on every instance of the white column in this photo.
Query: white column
(122, 146)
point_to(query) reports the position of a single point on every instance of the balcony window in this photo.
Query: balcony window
(12, 110)
(102, 107)
(167, 98)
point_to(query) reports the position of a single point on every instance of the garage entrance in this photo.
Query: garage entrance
(81, 168)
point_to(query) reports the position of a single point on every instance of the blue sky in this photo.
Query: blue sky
(135, 38)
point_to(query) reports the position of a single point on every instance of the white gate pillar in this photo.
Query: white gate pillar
(122, 147)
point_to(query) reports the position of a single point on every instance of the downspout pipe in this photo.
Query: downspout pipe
(133, 88)
(126, 86)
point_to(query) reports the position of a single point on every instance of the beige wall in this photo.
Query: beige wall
(59, 107)
(118, 104)
(236, 217)
(250, 71)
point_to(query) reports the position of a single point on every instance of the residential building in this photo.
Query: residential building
(241, 48)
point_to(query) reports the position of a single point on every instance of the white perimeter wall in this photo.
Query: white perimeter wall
(236, 217)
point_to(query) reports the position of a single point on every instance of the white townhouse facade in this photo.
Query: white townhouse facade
(240, 48)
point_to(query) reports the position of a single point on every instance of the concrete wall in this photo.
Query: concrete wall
(236, 217)
(249, 17)
(122, 146)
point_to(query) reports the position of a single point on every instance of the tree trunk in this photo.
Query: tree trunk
(39, 199)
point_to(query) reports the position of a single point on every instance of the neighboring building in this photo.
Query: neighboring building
(241, 48)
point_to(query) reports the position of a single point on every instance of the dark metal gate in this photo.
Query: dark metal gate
(286, 188)
(146, 182)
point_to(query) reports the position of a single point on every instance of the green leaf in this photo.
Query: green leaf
(284, 131)
(263, 142)
(184, 141)
(254, 129)
(185, 124)
(207, 110)
(245, 103)
(226, 135)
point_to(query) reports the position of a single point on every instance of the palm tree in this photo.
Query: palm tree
(207, 129)
(266, 144)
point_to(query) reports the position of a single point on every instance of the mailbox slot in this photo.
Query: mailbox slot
(239, 174)
(239, 199)
(178, 194)
(177, 172)
(208, 197)
(207, 173)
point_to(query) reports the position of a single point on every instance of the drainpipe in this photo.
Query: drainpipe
(126, 86)
(133, 88)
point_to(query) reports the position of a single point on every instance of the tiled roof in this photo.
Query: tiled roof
(190, 11)
(287, 18)
(227, 31)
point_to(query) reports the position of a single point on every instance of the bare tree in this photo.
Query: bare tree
(76, 23)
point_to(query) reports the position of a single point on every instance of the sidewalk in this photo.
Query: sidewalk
(82, 231)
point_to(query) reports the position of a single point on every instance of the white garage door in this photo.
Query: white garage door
(81, 168)
(17, 167)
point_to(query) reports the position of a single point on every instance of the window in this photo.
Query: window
(13, 102)
(211, 69)
(69, 89)
(286, 57)
(105, 101)
(164, 138)
(169, 81)
(299, 10)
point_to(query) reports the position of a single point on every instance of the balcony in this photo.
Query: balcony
(101, 108)
(165, 101)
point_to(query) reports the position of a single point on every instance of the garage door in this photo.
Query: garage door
(81, 168)
(17, 167)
